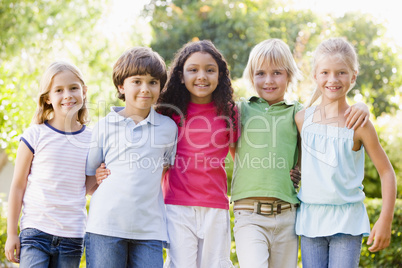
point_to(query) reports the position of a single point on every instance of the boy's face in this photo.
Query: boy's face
(270, 83)
(140, 91)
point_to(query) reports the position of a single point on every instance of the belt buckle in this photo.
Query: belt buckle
(259, 204)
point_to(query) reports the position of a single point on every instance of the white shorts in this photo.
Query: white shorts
(199, 237)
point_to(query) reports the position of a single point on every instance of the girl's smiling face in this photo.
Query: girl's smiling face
(334, 78)
(200, 76)
(271, 83)
(66, 94)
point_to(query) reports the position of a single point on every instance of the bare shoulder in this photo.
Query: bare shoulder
(366, 134)
(299, 119)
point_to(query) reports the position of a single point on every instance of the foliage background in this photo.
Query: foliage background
(34, 33)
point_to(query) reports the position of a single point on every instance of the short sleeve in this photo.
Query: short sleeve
(95, 155)
(236, 129)
(298, 106)
(31, 137)
(170, 153)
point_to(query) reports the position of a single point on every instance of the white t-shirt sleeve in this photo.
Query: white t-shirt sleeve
(170, 153)
(30, 137)
(95, 155)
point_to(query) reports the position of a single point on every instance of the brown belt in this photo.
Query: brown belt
(263, 207)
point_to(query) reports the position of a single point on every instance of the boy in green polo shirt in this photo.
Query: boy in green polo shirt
(263, 193)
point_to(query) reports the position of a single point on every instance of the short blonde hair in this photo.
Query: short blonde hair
(274, 52)
(337, 47)
(138, 61)
(44, 111)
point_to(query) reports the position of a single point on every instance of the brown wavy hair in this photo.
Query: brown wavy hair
(175, 97)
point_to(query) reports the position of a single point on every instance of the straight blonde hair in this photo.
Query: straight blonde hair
(274, 52)
(337, 47)
(45, 111)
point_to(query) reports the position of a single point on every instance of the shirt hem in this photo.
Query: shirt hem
(198, 204)
(325, 234)
(130, 235)
(292, 200)
(61, 234)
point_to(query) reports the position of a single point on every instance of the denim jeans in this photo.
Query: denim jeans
(39, 249)
(339, 250)
(109, 252)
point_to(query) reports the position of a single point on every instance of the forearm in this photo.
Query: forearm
(91, 185)
(388, 191)
(14, 209)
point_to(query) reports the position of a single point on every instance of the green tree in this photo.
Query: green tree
(35, 33)
(380, 78)
(31, 33)
(232, 27)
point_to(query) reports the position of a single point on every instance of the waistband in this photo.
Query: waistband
(263, 207)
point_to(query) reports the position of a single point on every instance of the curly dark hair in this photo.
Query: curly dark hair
(175, 97)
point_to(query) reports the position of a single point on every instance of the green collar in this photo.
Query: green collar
(261, 100)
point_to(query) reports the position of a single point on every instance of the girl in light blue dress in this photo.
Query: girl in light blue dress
(332, 218)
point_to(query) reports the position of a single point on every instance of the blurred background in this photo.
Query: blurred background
(94, 33)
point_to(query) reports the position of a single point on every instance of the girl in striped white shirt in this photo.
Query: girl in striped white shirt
(49, 182)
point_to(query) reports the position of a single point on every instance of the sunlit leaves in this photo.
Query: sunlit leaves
(32, 33)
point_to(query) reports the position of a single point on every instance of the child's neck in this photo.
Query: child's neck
(331, 112)
(334, 107)
(65, 124)
(137, 115)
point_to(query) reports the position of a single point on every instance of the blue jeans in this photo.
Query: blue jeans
(110, 251)
(40, 249)
(339, 250)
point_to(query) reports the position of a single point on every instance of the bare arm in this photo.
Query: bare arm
(91, 185)
(295, 173)
(17, 190)
(232, 150)
(381, 232)
(165, 169)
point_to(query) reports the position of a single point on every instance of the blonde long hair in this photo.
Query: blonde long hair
(45, 111)
(277, 53)
(338, 47)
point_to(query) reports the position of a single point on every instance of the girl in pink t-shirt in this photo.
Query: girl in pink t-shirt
(198, 97)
